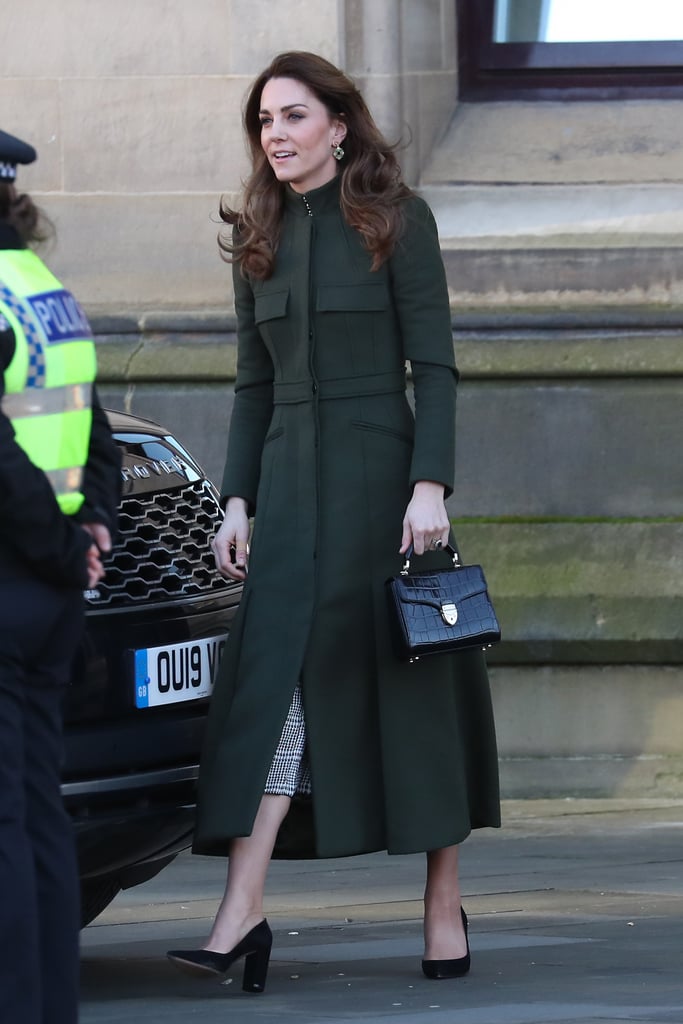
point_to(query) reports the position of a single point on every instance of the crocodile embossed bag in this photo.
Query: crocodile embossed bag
(440, 611)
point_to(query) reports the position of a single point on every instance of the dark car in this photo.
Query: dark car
(136, 709)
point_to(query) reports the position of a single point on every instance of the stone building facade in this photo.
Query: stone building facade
(560, 221)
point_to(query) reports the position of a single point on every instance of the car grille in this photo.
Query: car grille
(162, 552)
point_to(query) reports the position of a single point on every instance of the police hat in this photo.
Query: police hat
(12, 152)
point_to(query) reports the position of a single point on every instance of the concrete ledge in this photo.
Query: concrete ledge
(646, 777)
(624, 143)
(160, 356)
(586, 593)
(571, 276)
(588, 682)
(477, 316)
(571, 558)
(589, 731)
(532, 216)
(561, 352)
(203, 347)
(542, 810)
(578, 711)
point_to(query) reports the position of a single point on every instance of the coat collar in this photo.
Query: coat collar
(318, 200)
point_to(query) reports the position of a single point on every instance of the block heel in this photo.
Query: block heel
(256, 970)
(255, 947)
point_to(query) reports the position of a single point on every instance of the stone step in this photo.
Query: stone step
(585, 593)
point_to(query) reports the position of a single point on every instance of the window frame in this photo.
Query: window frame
(602, 70)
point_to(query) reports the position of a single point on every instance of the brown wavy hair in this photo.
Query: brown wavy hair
(24, 216)
(371, 180)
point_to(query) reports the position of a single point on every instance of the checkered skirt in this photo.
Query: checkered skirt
(290, 771)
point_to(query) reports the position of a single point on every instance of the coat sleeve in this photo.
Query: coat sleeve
(102, 476)
(32, 525)
(420, 296)
(253, 408)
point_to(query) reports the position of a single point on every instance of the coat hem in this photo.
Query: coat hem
(221, 847)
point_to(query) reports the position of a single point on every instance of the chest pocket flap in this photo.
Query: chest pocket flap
(270, 305)
(366, 297)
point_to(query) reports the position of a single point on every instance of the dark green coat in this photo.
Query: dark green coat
(325, 448)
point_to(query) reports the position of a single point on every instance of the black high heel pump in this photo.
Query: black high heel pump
(255, 948)
(436, 969)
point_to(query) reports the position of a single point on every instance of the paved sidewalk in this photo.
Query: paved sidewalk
(576, 915)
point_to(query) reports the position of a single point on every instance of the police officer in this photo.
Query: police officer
(59, 490)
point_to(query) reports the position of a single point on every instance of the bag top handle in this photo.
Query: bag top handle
(447, 548)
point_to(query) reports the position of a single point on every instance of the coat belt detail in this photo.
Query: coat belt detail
(291, 392)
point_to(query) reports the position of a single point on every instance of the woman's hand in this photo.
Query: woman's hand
(426, 520)
(230, 543)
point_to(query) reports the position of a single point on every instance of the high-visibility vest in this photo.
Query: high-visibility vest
(48, 383)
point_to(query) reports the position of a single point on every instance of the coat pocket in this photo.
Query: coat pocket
(270, 305)
(273, 434)
(380, 428)
(348, 298)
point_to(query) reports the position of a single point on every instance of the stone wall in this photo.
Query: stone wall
(135, 110)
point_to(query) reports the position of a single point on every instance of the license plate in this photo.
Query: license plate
(176, 672)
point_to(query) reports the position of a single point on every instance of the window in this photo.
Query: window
(586, 21)
(604, 47)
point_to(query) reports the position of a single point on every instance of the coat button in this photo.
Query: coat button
(314, 388)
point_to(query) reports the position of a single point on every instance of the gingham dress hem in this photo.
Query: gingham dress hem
(290, 772)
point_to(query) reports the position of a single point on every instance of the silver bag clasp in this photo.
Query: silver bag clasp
(449, 614)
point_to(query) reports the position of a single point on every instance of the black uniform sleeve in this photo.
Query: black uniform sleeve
(102, 477)
(32, 525)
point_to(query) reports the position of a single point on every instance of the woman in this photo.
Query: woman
(338, 281)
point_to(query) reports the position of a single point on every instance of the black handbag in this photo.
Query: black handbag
(440, 611)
